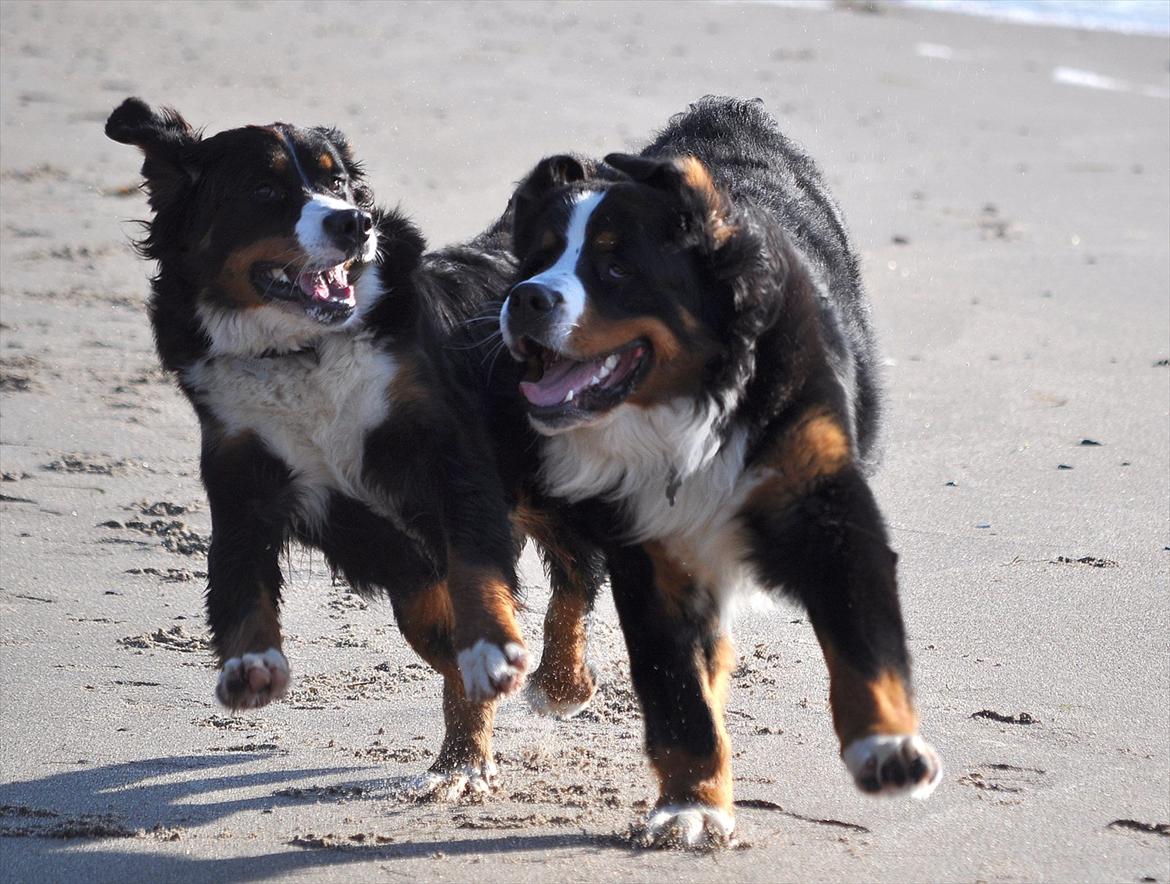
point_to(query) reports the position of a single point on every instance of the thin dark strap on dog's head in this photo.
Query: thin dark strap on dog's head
(292, 152)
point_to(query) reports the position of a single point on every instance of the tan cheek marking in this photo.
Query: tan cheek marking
(235, 277)
(675, 371)
(680, 375)
(863, 707)
(597, 335)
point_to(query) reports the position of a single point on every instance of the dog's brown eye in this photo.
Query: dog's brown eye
(616, 271)
(337, 185)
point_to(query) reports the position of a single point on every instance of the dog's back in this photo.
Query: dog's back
(754, 162)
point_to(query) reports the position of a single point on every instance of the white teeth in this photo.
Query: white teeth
(278, 275)
(569, 396)
(610, 363)
(595, 380)
(601, 375)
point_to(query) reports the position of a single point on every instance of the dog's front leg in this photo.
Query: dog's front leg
(816, 533)
(248, 491)
(464, 763)
(680, 663)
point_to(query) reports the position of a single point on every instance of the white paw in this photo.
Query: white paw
(537, 695)
(471, 780)
(253, 680)
(691, 826)
(490, 671)
(894, 765)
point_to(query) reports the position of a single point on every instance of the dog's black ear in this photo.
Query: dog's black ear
(705, 209)
(645, 170)
(166, 140)
(549, 174)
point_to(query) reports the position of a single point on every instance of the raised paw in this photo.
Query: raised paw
(491, 671)
(468, 781)
(894, 765)
(688, 826)
(553, 694)
(253, 680)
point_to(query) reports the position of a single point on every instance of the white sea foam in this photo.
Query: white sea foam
(1090, 80)
(934, 50)
(1126, 16)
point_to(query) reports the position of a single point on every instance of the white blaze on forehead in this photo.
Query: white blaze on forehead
(311, 226)
(562, 276)
(311, 232)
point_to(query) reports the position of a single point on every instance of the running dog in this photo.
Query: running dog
(701, 369)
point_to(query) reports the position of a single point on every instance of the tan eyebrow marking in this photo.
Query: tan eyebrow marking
(325, 162)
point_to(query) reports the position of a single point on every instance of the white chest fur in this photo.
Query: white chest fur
(312, 409)
(642, 458)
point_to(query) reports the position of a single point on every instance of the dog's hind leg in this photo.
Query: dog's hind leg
(564, 683)
(248, 491)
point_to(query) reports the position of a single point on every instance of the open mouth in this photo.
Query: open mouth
(563, 389)
(325, 293)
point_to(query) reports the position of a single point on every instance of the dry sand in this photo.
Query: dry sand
(1015, 239)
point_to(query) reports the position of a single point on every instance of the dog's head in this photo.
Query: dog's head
(270, 225)
(630, 286)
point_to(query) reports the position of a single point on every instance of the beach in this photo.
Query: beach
(1008, 190)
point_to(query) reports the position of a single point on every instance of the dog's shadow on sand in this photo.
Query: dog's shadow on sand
(160, 798)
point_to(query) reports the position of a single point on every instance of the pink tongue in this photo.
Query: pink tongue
(326, 285)
(558, 379)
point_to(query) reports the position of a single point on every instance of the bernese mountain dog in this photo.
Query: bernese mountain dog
(321, 351)
(701, 369)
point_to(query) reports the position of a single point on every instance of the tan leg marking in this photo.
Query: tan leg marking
(865, 707)
(257, 632)
(685, 778)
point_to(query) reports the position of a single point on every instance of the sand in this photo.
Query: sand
(1014, 230)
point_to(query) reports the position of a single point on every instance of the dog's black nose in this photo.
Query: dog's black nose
(348, 228)
(534, 299)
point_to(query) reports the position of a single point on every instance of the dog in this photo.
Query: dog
(310, 334)
(700, 367)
